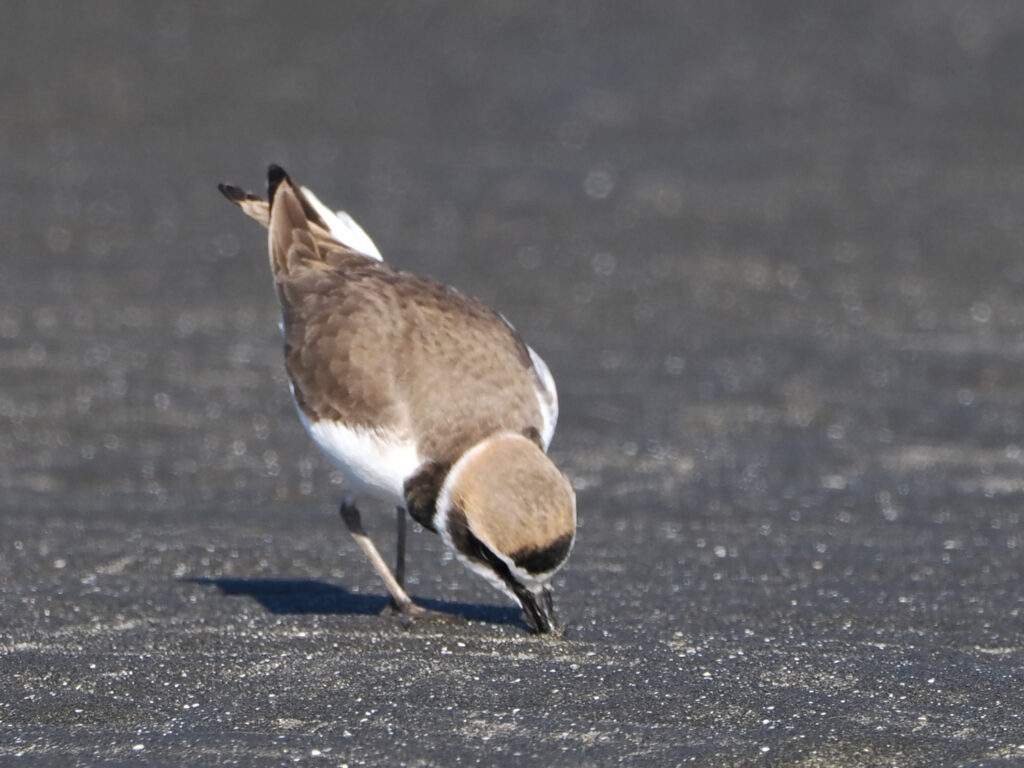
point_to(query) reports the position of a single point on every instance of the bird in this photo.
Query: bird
(424, 398)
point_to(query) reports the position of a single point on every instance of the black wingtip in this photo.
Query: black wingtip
(275, 175)
(233, 193)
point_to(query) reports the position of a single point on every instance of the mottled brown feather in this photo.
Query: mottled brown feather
(375, 347)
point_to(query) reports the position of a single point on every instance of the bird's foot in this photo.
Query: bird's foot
(410, 613)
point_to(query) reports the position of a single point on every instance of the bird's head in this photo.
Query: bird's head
(509, 514)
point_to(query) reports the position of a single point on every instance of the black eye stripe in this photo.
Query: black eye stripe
(470, 546)
(533, 561)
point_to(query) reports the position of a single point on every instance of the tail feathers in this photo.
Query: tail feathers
(254, 206)
(343, 227)
(329, 229)
(275, 175)
(235, 194)
(291, 241)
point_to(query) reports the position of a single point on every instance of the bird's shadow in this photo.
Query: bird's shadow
(305, 596)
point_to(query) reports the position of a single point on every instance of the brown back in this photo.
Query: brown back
(372, 346)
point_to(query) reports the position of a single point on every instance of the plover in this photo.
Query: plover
(423, 397)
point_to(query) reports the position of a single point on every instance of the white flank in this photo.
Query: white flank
(547, 396)
(344, 228)
(373, 462)
(355, 236)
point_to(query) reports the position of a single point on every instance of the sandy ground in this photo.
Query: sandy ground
(772, 255)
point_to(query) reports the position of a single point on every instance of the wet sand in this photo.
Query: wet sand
(772, 257)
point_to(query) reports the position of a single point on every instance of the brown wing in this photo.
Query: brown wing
(372, 346)
(464, 372)
(382, 348)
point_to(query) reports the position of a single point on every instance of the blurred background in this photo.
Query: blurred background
(699, 213)
(771, 253)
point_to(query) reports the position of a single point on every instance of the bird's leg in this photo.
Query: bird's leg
(400, 551)
(400, 547)
(404, 603)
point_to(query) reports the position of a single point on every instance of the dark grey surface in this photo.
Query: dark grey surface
(773, 255)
